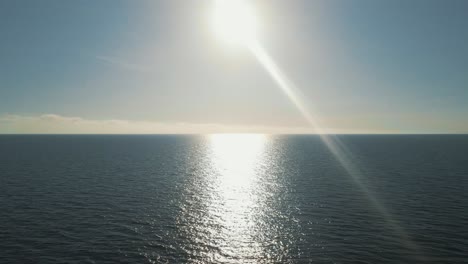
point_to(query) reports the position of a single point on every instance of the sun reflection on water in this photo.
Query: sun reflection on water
(234, 207)
(237, 159)
(235, 156)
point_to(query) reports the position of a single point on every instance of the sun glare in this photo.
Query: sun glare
(234, 21)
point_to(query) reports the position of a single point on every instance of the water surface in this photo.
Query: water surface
(232, 199)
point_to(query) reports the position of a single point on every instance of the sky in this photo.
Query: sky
(114, 66)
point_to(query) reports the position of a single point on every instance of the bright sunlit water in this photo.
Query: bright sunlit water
(231, 199)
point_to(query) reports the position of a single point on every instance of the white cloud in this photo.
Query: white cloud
(123, 64)
(57, 124)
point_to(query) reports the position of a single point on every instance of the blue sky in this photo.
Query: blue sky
(115, 66)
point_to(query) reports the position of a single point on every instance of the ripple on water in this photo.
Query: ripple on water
(230, 199)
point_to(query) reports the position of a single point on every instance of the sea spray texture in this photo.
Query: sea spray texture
(231, 198)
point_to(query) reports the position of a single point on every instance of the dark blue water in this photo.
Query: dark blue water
(233, 199)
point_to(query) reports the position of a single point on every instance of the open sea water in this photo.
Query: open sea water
(233, 199)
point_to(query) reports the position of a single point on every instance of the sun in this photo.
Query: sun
(235, 22)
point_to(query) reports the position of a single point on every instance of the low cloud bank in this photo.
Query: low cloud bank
(57, 124)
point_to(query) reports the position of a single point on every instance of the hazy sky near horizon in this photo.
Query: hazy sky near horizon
(113, 66)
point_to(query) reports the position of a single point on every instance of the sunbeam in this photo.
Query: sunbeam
(337, 148)
(235, 20)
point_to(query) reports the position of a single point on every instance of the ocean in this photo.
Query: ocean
(233, 199)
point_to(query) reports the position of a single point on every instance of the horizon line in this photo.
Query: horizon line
(227, 133)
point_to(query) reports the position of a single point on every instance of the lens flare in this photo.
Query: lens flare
(337, 148)
(236, 22)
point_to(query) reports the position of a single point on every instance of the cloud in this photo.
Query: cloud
(123, 64)
(57, 124)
